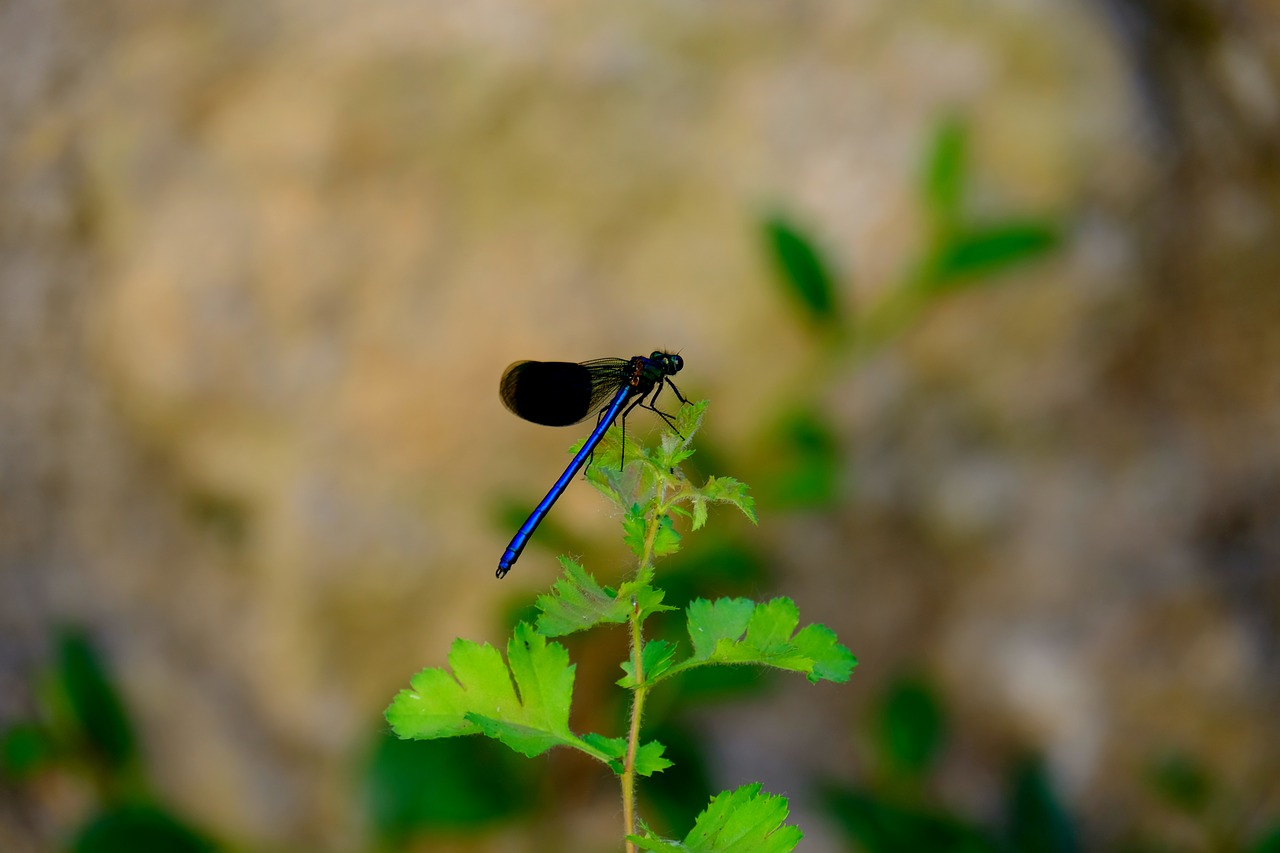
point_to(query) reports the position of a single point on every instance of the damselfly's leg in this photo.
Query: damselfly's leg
(649, 405)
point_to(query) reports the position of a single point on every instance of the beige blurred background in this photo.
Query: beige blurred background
(262, 264)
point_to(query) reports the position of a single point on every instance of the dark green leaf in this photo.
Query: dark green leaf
(675, 799)
(802, 269)
(135, 828)
(447, 784)
(973, 254)
(805, 465)
(25, 749)
(93, 700)
(1037, 821)
(1269, 842)
(911, 727)
(882, 826)
(1182, 782)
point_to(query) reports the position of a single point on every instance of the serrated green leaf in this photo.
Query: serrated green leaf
(738, 631)
(711, 621)
(730, 491)
(634, 526)
(741, 821)
(689, 418)
(656, 657)
(831, 661)
(577, 602)
(666, 540)
(699, 511)
(649, 758)
(635, 530)
(651, 842)
(479, 697)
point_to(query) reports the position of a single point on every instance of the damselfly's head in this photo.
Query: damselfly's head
(671, 363)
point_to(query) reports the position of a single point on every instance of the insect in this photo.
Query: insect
(559, 393)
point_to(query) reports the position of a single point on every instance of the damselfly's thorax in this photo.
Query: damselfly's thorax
(643, 373)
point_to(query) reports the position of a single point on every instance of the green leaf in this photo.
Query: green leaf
(139, 827)
(1182, 782)
(804, 460)
(649, 758)
(450, 784)
(1269, 842)
(977, 253)
(944, 172)
(802, 269)
(689, 418)
(480, 698)
(717, 630)
(93, 701)
(25, 749)
(910, 727)
(666, 540)
(879, 825)
(730, 491)
(1038, 821)
(577, 602)
(634, 528)
(712, 621)
(635, 531)
(656, 658)
(741, 821)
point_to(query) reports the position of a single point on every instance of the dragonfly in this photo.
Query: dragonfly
(560, 393)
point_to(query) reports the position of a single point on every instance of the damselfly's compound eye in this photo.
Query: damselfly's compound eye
(675, 362)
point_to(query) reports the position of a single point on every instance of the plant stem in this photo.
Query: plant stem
(633, 735)
(640, 691)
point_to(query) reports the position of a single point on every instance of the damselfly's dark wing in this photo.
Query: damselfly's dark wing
(559, 393)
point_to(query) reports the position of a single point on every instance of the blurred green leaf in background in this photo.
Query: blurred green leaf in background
(802, 271)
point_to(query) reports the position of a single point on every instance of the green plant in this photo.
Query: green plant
(524, 701)
(84, 738)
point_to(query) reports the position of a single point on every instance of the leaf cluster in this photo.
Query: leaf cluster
(524, 700)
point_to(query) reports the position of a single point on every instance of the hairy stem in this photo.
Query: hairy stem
(640, 690)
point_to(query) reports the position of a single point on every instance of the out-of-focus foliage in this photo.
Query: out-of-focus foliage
(419, 787)
(900, 809)
(84, 736)
(137, 828)
(802, 270)
(910, 731)
(92, 702)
